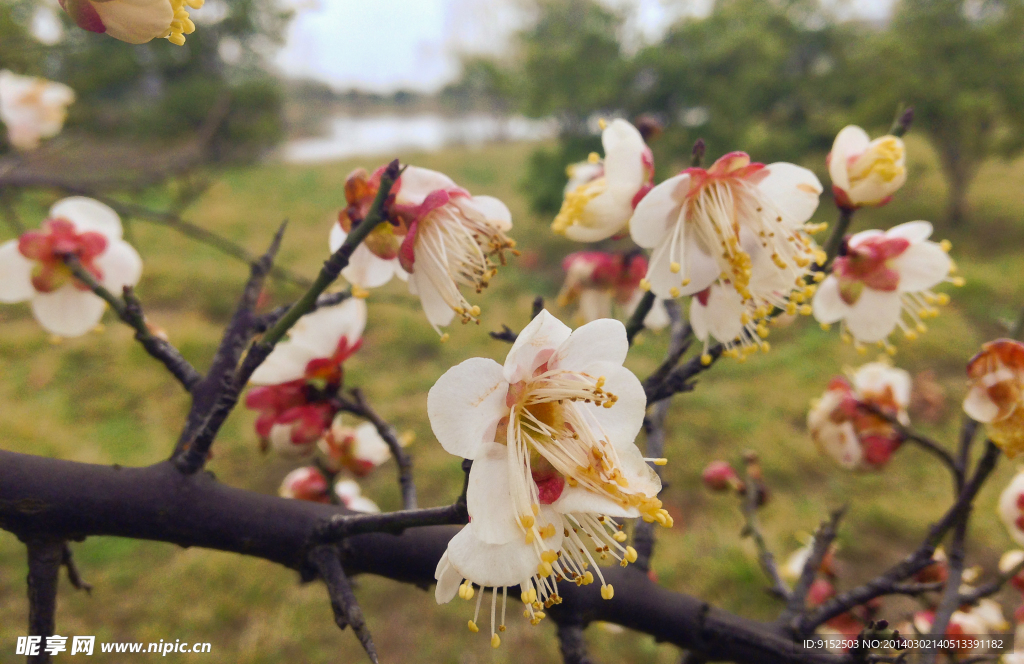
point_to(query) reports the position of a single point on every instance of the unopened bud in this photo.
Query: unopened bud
(720, 476)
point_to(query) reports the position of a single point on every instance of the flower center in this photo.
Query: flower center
(50, 247)
(881, 159)
(869, 264)
(576, 202)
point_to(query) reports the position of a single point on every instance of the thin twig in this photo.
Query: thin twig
(507, 334)
(358, 405)
(915, 589)
(823, 538)
(835, 239)
(752, 529)
(992, 587)
(679, 343)
(196, 445)
(343, 601)
(45, 557)
(636, 321)
(913, 563)
(680, 378)
(921, 440)
(267, 320)
(129, 310)
(74, 578)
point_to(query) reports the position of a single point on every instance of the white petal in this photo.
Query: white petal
(578, 500)
(1008, 510)
(320, 332)
(437, 310)
(366, 269)
(827, 303)
(121, 266)
(873, 317)
(851, 141)
(699, 320)
(465, 404)
(622, 422)
(15, 274)
(489, 497)
(493, 210)
(491, 565)
(362, 504)
(448, 580)
(857, 238)
(979, 406)
(601, 340)
(793, 189)
(68, 311)
(88, 215)
(369, 446)
(915, 231)
(723, 313)
(544, 333)
(641, 476)
(287, 362)
(657, 318)
(595, 304)
(337, 237)
(135, 21)
(623, 155)
(659, 270)
(604, 216)
(657, 213)
(418, 182)
(922, 266)
(876, 377)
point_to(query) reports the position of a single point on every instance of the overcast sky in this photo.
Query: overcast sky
(385, 45)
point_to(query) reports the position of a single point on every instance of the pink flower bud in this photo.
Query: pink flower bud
(306, 483)
(720, 476)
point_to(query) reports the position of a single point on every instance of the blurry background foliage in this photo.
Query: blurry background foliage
(158, 93)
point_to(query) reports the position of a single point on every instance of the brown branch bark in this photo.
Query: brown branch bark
(347, 613)
(45, 557)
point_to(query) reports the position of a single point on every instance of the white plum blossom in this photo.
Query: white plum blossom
(996, 395)
(865, 172)
(32, 108)
(33, 268)
(852, 435)
(1011, 508)
(741, 222)
(883, 280)
(601, 194)
(437, 232)
(359, 449)
(551, 437)
(305, 483)
(135, 21)
(351, 496)
(596, 282)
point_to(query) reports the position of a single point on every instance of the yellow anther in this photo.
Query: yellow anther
(549, 556)
(530, 596)
(705, 359)
(495, 641)
(674, 292)
(607, 592)
(594, 158)
(475, 311)
(826, 326)
(762, 330)
(819, 277)
(675, 267)
(362, 293)
(946, 245)
(588, 578)
(942, 299)
(619, 536)
(548, 531)
(529, 537)
(177, 39)
(526, 521)
(660, 462)
(472, 627)
(602, 123)
(645, 285)
(958, 281)
(806, 309)
(922, 328)
(544, 569)
(536, 509)
(445, 337)
(630, 554)
(501, 628)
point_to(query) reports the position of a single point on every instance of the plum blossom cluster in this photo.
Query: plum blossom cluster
(551, 435)
(135, 21)
(846, 423)
(34, 268)
(32, 108)
(310, 483)
(597, 282)
(435, 235)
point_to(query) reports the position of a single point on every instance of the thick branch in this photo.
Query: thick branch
(327, 561)
(129, 310)
(571, 642)
(45, 557)
(75, 500)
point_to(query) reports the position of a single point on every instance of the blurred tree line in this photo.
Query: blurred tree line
(776, 78)
(160, 92)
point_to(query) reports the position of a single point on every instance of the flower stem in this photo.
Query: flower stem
(835, 240)
(636, 321)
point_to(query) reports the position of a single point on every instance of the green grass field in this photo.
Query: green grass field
(101, 399)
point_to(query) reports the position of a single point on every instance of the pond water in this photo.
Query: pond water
(370, 135)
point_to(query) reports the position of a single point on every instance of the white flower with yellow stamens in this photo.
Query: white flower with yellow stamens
(601, 194)
(721, 222)
(865, 172)
(543, 497)
(135, 21)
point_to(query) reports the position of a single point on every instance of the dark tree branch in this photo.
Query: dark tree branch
(835, 238)
(678, 345)
(343, 601)
(45, 557)
(915, 589)
(913, 563)
(74, 578)
(70, 500)
(358, 405)
(571, 642)
(198, 436)
(921, 440)
(129, 310)
(506, 334)
(680, 379)
(341, 526)
(636, 321)
(950, 601)
(823, 538)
